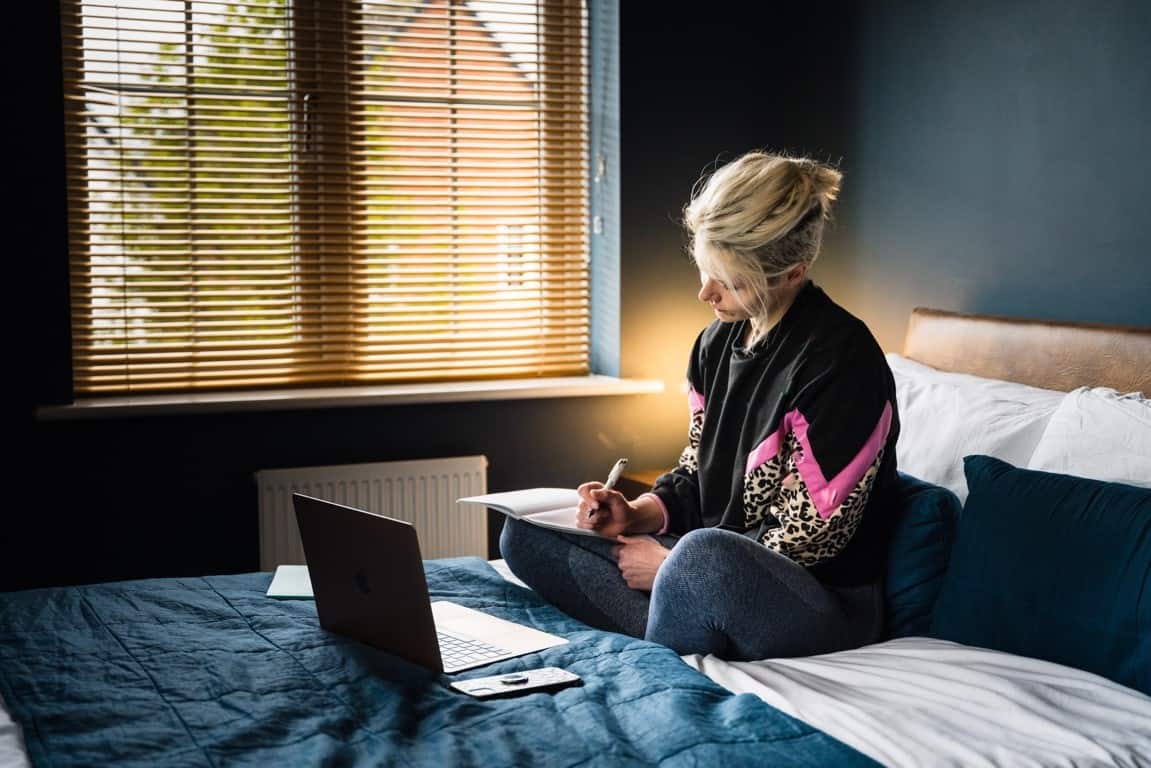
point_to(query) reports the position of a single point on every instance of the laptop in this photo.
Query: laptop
(369, 583)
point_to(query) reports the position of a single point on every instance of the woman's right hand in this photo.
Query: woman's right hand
(604, 511)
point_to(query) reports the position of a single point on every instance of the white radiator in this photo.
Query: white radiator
(422, 492)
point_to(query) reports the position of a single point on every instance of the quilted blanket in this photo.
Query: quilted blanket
(211, 672)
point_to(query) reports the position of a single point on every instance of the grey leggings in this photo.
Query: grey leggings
(717, 592)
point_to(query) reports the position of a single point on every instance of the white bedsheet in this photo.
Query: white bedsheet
(923, 702)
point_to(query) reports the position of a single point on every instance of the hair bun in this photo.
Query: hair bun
(753, 207)
(826, 182)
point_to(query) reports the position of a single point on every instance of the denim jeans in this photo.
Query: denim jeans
(718, 592)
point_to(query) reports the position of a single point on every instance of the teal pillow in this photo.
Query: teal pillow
(1053, 567)
(924, 516)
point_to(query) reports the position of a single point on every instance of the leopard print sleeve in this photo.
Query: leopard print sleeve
(679, 491)
(806, 515)
(761, 484)
(803, 534)
(689, 458)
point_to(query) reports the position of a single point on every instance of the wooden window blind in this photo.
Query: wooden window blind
(265, 193)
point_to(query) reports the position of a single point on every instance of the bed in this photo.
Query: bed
(209, 671)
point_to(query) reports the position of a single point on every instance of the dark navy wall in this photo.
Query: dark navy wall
(999, 161)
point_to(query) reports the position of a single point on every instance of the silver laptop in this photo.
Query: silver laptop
(369, 583)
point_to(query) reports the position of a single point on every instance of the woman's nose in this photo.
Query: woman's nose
(707, 291)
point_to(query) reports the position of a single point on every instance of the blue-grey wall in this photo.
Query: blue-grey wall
(998, 162)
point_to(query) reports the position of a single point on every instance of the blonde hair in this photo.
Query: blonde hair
(764, 214)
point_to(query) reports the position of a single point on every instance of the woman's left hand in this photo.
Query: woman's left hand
(639, 559)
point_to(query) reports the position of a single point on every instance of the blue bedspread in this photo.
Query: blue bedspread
(209, 671)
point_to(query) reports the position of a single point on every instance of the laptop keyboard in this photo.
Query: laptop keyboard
(462, 651)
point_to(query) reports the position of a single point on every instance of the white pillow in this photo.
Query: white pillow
(946, 416)
(1101, 434)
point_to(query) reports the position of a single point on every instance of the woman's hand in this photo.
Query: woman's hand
(639, 560)
(606, 512)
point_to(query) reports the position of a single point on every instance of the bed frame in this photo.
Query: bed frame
(1052, 355)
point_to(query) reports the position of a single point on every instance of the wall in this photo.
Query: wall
(998, 162)
(992, 162)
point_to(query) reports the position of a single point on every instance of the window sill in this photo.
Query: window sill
(343, 397)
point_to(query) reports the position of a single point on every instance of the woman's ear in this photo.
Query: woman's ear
(797, 274)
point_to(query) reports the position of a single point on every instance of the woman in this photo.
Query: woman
(769, 537)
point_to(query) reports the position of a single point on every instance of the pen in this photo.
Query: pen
(612, 478)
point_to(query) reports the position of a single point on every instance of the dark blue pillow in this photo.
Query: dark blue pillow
(1053, 567)
(924, 528)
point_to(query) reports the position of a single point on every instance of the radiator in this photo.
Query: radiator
(422, 492)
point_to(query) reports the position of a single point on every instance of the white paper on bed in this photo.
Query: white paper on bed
(918, 701)
(1098, 433)
(12, 753)
(945, 416)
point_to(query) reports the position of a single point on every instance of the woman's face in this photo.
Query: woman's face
(730, 301)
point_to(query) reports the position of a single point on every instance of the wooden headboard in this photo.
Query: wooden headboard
(1052, 355)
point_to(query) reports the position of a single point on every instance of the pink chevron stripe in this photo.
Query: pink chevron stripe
(826, 494)
(694, 401)
(769, 448)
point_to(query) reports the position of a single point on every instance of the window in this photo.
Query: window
(266, 193)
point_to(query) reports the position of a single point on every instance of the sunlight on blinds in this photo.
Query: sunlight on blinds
(266, 195)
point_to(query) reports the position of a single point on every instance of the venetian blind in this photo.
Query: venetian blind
(266, 193)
